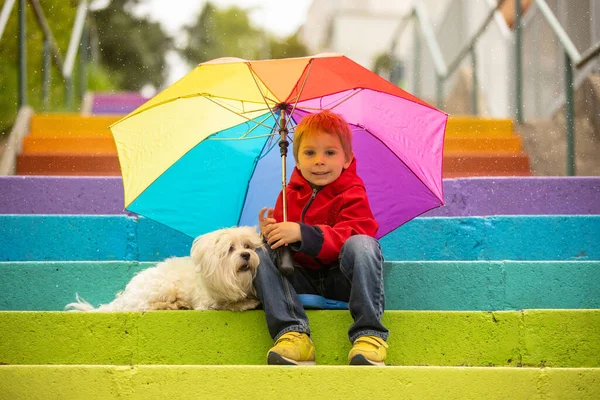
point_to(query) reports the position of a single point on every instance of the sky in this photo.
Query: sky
(281, 18)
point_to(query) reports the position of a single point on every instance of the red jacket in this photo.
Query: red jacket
(327, 216)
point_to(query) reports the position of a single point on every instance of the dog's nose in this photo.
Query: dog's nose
(245, 255)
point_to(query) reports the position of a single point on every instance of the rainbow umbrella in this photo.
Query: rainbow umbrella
(204, 153)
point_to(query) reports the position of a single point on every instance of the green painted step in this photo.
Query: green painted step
(551, 338)
(409, 285)
(263, 382)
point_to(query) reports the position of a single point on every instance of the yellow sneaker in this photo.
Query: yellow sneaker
(292, 348)
(368, 350)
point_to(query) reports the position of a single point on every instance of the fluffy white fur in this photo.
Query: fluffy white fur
(217, 276)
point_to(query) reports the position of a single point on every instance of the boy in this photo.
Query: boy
(330, 229)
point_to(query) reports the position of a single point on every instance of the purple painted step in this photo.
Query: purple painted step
(117, 103)
(464, 197)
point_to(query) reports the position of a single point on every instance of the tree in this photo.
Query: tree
(288, 47)
(60, 16)
(132, 48)
(229, 33)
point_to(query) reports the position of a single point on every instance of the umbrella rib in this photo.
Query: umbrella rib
(230, 107)
(253, 74)
(256, 126)
(236, 113)
(355, 91)
(253, 137)
(244, 136)
(187, 96)
(301, 90)
(348, 97)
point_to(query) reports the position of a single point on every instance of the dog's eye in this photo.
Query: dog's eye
(247, 246)
(231, 248)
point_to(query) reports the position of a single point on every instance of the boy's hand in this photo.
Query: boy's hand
(282, 233)
(264, 222)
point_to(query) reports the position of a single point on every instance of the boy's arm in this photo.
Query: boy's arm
(325, 242)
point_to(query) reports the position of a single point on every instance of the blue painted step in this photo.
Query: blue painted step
(73, 238)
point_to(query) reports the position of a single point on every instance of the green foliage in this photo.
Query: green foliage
(288, 47)
(60, 15)
(229, 33)
(389, 67)
(131, 55)
(131, 48)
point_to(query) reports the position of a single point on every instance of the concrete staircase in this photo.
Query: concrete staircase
(72, 144)
(483, 147)
(494, 295)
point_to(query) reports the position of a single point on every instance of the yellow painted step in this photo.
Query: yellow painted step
(71, 125)
(485, 144)
(50, 382)
(467, 126)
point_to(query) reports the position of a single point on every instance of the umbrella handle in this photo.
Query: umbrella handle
(285, 262)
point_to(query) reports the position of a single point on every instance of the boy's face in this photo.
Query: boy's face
(321, 158)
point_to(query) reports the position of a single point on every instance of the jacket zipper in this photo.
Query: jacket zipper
(314, 193)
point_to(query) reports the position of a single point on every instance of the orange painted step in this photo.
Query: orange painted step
(475, 174)
(106, 145)
(44, 164)
(498, 144)
(83, 145)
(486, 163)
(71, 125)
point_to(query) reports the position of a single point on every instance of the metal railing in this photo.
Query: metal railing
(573, 60)
(78, 42)
(443, 70)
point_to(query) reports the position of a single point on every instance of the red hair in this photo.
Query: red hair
(328, 122)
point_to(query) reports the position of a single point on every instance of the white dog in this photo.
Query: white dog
(217, 276)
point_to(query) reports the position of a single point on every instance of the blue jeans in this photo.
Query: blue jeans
(357, 279)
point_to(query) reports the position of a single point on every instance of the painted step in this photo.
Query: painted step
(550, 338)
(323, 382)
(65, 124)
(119, 237)
(84, 164)
(66, 146)
(61, 125)
(71, 165)
(464, 197)
(71, 125)
(475, 144)
(461, 125)
(105, 145)
(486, 163)
(409, 285)
(483, 174)
(117, 103)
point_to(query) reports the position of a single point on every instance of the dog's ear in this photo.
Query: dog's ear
(201, 251)
(255, 238)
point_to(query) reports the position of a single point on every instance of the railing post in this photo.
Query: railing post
(46, 74)
(518, 65)
(83, 61)
(474, 84)
(69, 93)
(22, 55)
(439, 92)
(417, 61)
(570, 115)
